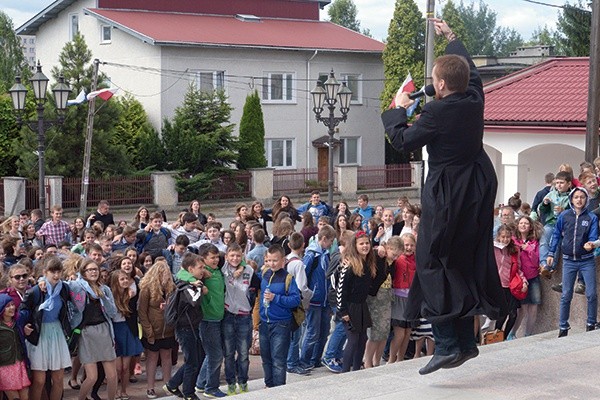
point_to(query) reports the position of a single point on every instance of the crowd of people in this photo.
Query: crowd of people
(305, 287)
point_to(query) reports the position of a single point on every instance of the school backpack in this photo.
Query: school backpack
(140, 244)
(172, 305)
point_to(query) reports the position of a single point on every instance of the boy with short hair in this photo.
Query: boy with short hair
(127, 239)
(153, 238)
(241, 286)
(257, 254)
(175, 256)
(213, 236)
(553, 204)
(189, 315)
(211, 333)
(276, 305)
(188, 226)
(315, 206)
(106, 244)
(54, 231)
(89, 237)
(579, 231)
(365, 211)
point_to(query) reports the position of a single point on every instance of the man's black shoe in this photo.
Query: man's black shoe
(563, 332)
(438, 362)
(464, 357)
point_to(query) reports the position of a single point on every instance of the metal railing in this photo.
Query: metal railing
(118, 191)
(384, 176)
(303, 180)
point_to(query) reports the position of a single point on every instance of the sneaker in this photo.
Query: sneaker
(298, 371)
(332, 365)
(557, 287)
(151, 394)
(511, 336)
(243, 387)
(174, 392)
(199, 390)
(589, 328)
(231, 389)
(579, 288)
(191, 397)
(215, 394)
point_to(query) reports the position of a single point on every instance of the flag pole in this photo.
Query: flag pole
(85, 176)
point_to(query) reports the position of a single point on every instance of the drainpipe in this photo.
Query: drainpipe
(308, 108)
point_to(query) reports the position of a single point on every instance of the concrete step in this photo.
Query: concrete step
(537, 367)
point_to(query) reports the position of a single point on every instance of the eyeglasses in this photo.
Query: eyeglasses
(91, 270)
(19, 277)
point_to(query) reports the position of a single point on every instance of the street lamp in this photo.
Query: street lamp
(61, 91)
(330, 93)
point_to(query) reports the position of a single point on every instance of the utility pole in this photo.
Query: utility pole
(429, 58)
(85, 176)
(593, 111)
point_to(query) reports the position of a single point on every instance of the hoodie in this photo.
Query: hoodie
(556, 198)
(575, 230)
(316, 260)
(238, 291)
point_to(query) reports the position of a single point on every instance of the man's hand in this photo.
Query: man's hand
(442, 28)
(402, 100)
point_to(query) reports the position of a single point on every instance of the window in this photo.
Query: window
(73, 25)
(354, 83)
(349, 151)
(105, 34)
(31, 41)
(32, 49)
(208, 81)
(278, 87)
(280, 153)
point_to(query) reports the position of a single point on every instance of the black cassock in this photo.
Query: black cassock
(456, 268)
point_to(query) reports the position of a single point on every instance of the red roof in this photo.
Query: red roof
(554, 92)
(163, 28)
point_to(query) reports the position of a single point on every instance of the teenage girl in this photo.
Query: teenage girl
(527, 240)
(14, 382)
(507, 259)
(356, 278)
(404, 272)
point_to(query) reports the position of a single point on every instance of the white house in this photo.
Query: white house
(535, 120)
(154, 49)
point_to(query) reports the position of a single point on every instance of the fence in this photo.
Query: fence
(384, 176)
(234, 186)
(119, 191)
(300, 181)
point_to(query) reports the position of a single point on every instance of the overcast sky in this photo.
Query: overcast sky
(373, 14)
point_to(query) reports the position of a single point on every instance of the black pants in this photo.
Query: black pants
(354, 350)
(454, 336)
(511, 317)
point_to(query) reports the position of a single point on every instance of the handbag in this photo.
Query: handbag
(495, 336)
(516, 282)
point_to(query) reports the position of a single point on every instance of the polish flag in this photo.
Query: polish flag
(80, 99)
(408, 86)
(104, 94)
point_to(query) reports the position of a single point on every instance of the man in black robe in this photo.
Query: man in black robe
(456, 276)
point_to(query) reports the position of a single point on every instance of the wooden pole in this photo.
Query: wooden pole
(85, 175)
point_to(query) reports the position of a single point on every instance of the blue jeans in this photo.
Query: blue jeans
(335, 347)
(274, 345)
(587, 268)
(318, 322)
(293, 357)
(212, 340)
(236, 338)
(193, 355)
(545, 245)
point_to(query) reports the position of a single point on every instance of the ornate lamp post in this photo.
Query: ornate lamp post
(330, 93)
(61, 91)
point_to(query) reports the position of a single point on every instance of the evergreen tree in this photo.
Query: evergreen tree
(9, 133)
(343, 12)
(452, 16)
(574, 29)
(12, 60)
(252, 134)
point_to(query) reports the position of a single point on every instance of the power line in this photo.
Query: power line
(556, 6)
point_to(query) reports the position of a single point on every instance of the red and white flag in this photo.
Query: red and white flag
(104, 94)
(408, 86)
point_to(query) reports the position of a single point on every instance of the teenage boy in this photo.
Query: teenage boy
(553, 204)
(175, 256)
(213, 236)
(189, 315)
(211, 329)
(127, 239)
(315, 206)
(257, 254)
(89, 237)
(365, 211)
(241, 286)
(277, 300)
(36, 219)
(54, 231)
(295, 267)
(153, 238)
(579, 231)
(318, 315)
(187, 225)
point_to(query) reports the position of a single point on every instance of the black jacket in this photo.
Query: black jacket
(31, 302)
(456, 274)
(189, 313)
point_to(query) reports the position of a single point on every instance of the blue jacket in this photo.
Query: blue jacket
(317, 211)
(316, 273)
(576, 230)
(366, 214)
(280, 308)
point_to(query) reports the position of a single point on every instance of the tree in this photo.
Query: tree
(199, 140)
(252, 134)
(544, 36)
(506, 40)
(9, 133)
(404, 53)
(574, 29)
(343, 12)
(64, 144)
(452, 15)
(12, 61)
